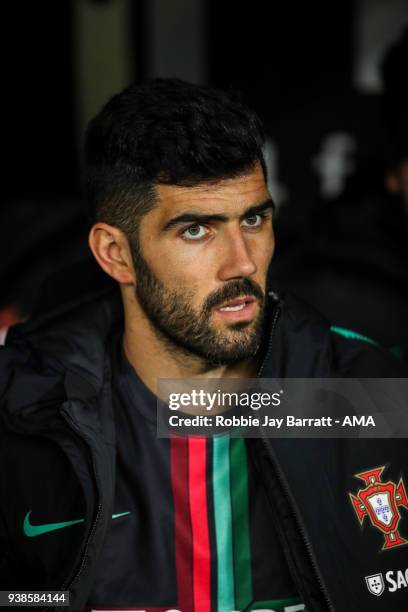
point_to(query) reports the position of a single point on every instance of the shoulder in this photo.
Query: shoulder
(314, 346)
(46, 354)
(357, 355)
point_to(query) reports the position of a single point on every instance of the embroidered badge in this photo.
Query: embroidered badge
(375, 584)
(380, 501)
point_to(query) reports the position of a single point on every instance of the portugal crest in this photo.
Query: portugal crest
(380, 502)
(375, 584)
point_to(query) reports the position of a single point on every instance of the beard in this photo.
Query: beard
(180, 326)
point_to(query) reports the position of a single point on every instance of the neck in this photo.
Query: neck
(152, 357)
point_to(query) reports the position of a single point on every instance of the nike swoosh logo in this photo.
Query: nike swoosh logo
(120, 514)
(35, 530)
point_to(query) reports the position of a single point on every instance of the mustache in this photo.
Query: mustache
(234, 289)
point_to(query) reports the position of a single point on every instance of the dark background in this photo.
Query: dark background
(292, 62)
(300, 65)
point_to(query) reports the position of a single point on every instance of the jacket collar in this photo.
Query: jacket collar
(66, 354)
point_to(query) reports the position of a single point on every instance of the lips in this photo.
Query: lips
(236, 304)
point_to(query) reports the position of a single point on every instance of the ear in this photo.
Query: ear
(111, 250)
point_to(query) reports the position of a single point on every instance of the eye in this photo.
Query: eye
(195, 232)
(253, 221)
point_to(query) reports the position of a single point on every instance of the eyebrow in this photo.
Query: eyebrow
(202, 218)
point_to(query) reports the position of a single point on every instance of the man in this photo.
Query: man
(92, 501)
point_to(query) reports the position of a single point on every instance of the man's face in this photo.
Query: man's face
(202, 265)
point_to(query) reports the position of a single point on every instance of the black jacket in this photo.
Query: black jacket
(57, 459)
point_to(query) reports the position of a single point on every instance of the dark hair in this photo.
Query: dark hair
(165, 131)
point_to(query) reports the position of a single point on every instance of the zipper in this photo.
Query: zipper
(282, 479)
(298, 519)
(276, 316)
(67, 585)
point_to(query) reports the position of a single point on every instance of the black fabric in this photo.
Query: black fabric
(272, 576)
(358, 551)
(55, 383)
(137, 563)
(136, 566)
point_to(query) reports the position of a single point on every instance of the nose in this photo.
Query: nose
(235, 259)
